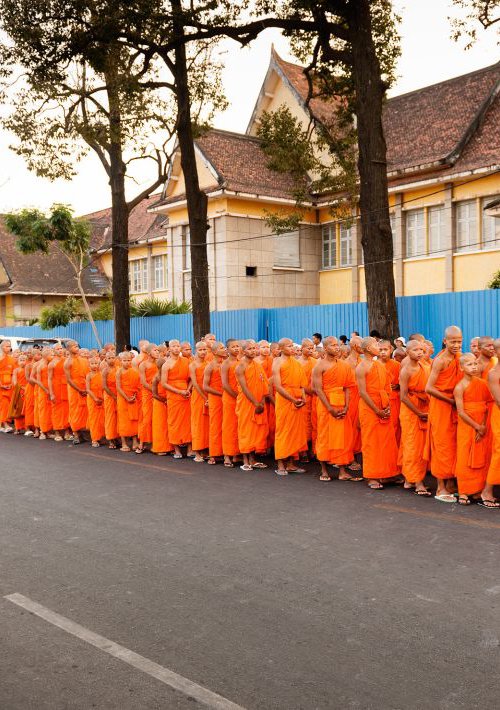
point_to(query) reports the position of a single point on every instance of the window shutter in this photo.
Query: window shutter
(287, 250)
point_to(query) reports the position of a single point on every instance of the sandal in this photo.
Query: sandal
(351, 478)
(211, 461)
(259, 464)
(463, 499)
(199, 459)
(489, 503)
(111, 445)
(177, 456)
(423, 494)
(354, 466)
(296, 470)
(376, 486)
(325, 478)
(246, 467)
(95, 444)
(139, 450)
(228, 464)
(281, 472)
(126, 449)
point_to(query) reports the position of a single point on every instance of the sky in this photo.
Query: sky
(429, 55)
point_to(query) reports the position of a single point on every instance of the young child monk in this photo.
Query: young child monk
(253, 387)
(75, 369)
(212, 385)
(333, 380)
(29, 401)
(413, 416)
(147, 371)
(472, 397)
(58, 394)
(493, 477)
(379, 447)
(127, 387)
(230, 447)
(308, 362)
(200, 421)
(441, 442)
(187, 351)
(109, 370)
(393, 367)
(95, 401)
(161, 444)
(289, 380)
(176, 381)
(7, 365)
(18, 397)
(44, 403)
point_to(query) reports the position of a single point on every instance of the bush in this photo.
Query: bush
(60, 313)
(157, 307)
(104, 311)
(495, 281)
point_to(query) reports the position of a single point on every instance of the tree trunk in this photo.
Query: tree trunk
(87, 308)
(119, 214)
(376, 235)
(196, 198)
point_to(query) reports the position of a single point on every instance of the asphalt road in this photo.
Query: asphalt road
(274, 593)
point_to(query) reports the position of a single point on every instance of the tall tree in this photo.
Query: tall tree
(472, 15)
(83, 89)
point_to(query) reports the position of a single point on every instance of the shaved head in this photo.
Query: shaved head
(366, 343)
(417, 336)
(453, 331)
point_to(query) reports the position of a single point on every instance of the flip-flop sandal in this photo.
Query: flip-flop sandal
(211, 461)
(77, 442)
(198, 459)
(139, 450)
(296, 470)
(125, 449)
(259, 464)
(95, 444)
(177, 456)
(355, 466)
(484, 504)
(464, 500)
(375, 486)
(111, 446)
(245, 467)
(325, 480)
(423, 494)
(162, 453)
(228, 464)
(446, 498)
(354, 479)
(281, 472)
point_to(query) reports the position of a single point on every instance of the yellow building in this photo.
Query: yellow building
(443, 167)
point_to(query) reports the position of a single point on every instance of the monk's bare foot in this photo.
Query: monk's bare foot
(345, 476)
(489, 503)
(281, 471)
(354, 466)
(374, 484)
(421, 490)
(227, 462)
(211, 461)
(451, 485)
(198, 458)
(463, 499)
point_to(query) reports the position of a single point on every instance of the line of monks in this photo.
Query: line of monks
(374, 414)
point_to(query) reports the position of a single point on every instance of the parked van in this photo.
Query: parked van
(27, 343)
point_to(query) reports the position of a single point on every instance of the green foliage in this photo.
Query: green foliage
(35, 231)
(157, 307)
(60, 314)
(104, 311)
(495, 280)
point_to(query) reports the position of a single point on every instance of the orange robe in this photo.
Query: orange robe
(200, 421)
(160, 443)
(379, 446)
(489, 366)
(146, 419)
(215, 415)
(96, 411)
(473, 457)
(179, 408)
(230, 445)
(310, 398)
(493, 477)
(441, 441)
(60, 415)
(128, 412)
(29, 405)
(44, 404)
(393, 367)
(77, 403)
(36, 408)
(21, 384)
(7, 367)
(335, 439)
(414, 429)
(267, 366)
(291, 430)
(353, 414)
(110, 413)
(252, 427)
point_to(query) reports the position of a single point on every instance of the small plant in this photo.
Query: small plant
(157, 307)
(60, 314)
(103, 311)
(495, 280)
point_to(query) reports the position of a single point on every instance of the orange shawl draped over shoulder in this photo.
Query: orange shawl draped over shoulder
(291, 429)
(96, 411)
(335, 439)
(380, 450)
(215, 415)
(473, 457)
(128, 412)
(179, 408)
(77, 403)
(7, 367)
(110, 413)
(60, 415)
(160, 443)
(252, 427)
(413, 429)
(230, 445)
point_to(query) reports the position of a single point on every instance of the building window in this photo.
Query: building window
(491, 227)
(160, 272)
(345, 245)
(466, 218)
(287, 250)
(138, 272)
(250, 271)
(435, 217)
(329, 237)
(415, 233)
(186, 249)
(392, 218)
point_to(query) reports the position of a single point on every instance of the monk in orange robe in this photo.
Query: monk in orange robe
(109, 371)
(265, 359)
(379, 446)
(95, 402)
(128, 385)
(75, 369)
(147, 371)
(36, 396)
(29, 400)
(212, 385)
(289, 380)
(308, 362)
(176, 381)
(429, 352)
(333, 383)
(44, 404)
(474, 346)
(413, 415)
(486, 360)
(230, 446)
(253, 388)
(393, 368)
(58, 394)
(493, 477)
(473, 398)
(441, 442)
(17, 402)
(187, 351)
(7, 365)
(209, 339)
(353, 360)
(161, 444)
(200, 421)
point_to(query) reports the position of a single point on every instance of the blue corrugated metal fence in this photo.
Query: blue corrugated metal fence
(476, 312)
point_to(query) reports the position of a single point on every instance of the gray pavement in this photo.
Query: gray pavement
(275, 593)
